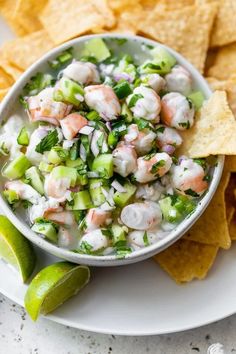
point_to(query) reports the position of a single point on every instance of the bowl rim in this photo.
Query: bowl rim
(137, 255)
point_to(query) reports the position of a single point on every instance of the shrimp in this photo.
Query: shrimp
(66, 238)
(188, 177)
(37, 135)
(150, 191)
(103, 99)
(148, 104)
(142, 140)
(72, 124)
(57, 188)
(155, 81)
(43, 207)
(95, 241)
(62, 217)
(177, 112)
(138, 239)
(82, 72)
(179, 80)
(42, 107)
(24, 191)
(124, 159)
(96, 218)
(141, 216)
(150, 168)
(168, 139)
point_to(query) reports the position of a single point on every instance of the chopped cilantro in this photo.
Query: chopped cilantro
(141, 123)
(50, 140)
(191, 192)
(185, 124)
(157, 165)
(37, 83)
(135, 97)
(160, 130)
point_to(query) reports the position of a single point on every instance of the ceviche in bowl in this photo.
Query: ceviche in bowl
(91, 163)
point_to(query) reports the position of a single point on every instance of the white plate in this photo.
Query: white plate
(139, 299)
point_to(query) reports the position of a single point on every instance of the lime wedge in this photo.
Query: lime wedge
(15, 249)
(53, 285)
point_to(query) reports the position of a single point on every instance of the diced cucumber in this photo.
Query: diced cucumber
(157, 66)
(121, 199)
(169, 212)
(35, 178)
(68, 92)
(103, 164)
(59, 172)
(45, 167)
(46, 229)
(11, 196)
(82, 179)
(175, 208)
(75, 163)
(163, 55)
(118, 236)
(112, 139)
(93, 115)
(197, 98)
(53, 157)
(95, 189)
(126, 112)
(16, 168)
(81, 201)
(23, 137)
(96, 48)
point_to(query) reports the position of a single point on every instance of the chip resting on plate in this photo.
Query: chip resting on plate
(224, 64)
(76, 20)
(24, 51)
(7, 10)
(186, 260)
(214, 130)
(226, 85)
(177, 28)
(3, 93)
(211, 227)
(224, 30)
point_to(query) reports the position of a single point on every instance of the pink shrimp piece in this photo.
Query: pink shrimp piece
(72, 124)
(57, 188)
(96, 218)
(176, 111)
(179, 80)
(141, 140)
(82, 72)
(124, 159)
(43, 107)
(150, 169)
(188, 177)
(103, 99)
(62, 218)
(168, 139)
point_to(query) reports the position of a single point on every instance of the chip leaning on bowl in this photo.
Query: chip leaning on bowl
(36, 25)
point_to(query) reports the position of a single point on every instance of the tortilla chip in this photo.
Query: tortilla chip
(186, 260)
(210, 60)
(122, 5)
(230, 197)
(226, 85)
(128, 21)
(7, 9)
(5, 79)
(24, 51)
(12, 71)
(177, 28)
(224, 29)
(3, 93)
(230, 163)
(225, 63)
(212, 228)
(77, 18)
(214, 130)
(232, 227)
(174, 5)
(27, 12)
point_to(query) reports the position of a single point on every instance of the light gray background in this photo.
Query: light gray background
(19, 335)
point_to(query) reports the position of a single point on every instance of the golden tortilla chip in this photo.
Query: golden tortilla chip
(174, 5)
(224, 29)
(210, 60)
(230, 197)
(212, 228)
(230, 163)
(3, 93)
(214, 130)
(224, 64)
(27, 12)
(186, 30)
(77, 18)
(24, 51)
(7, 9)
(5, 79)
(122, 5)
(226, 85)
(128, 21)
(186, 260)
(232, 227)
(11, 70)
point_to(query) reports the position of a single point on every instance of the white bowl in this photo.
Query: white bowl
(133, 45)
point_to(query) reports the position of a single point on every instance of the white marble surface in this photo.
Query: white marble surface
(19, 335)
